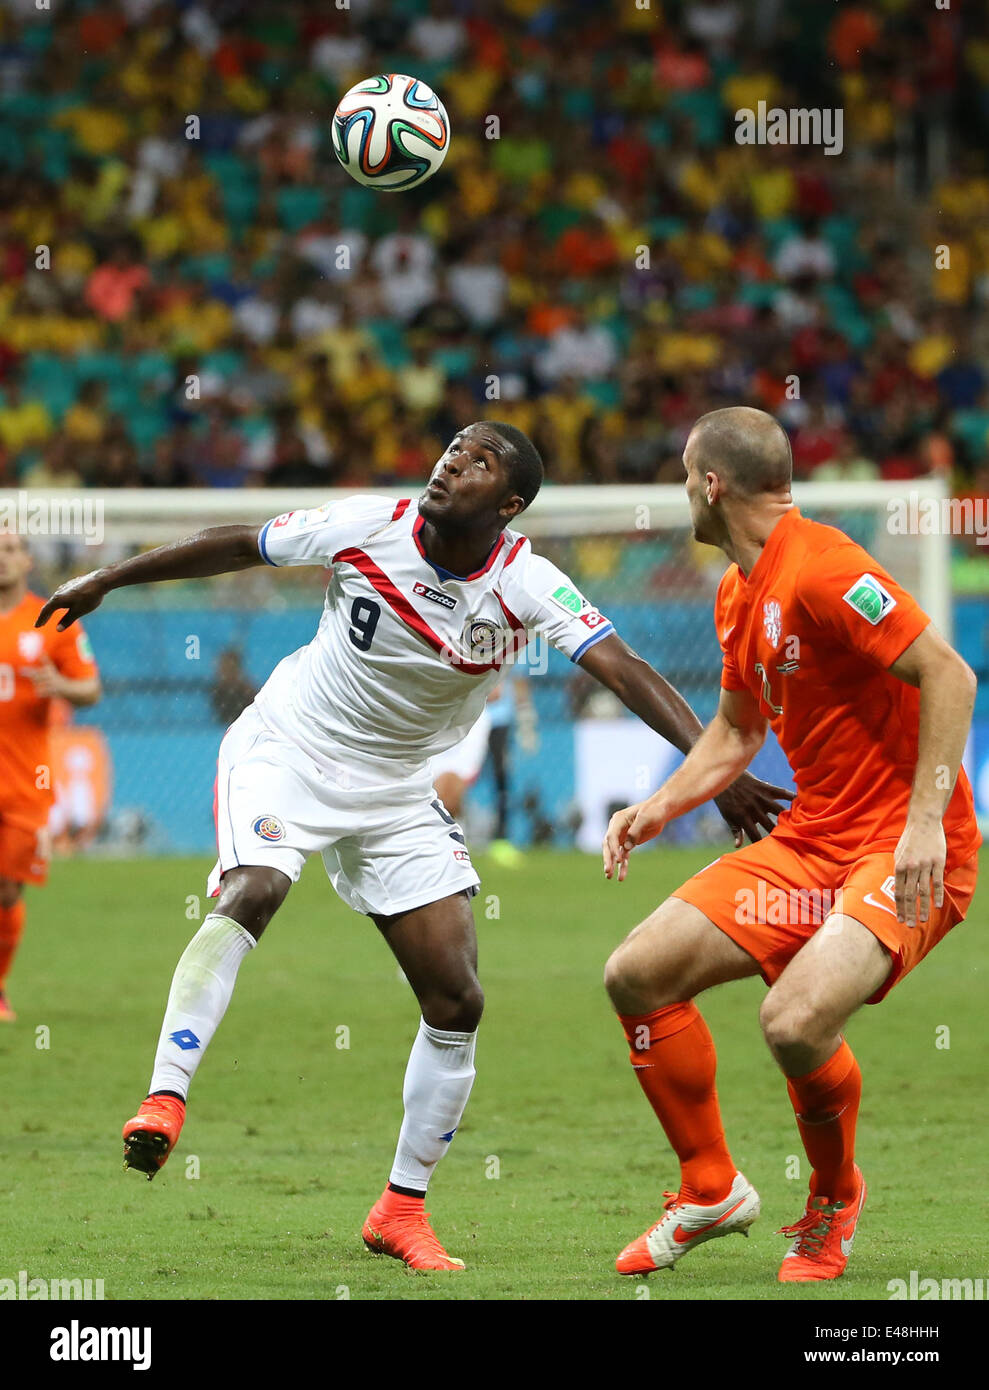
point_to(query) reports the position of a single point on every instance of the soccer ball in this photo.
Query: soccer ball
(391, 132)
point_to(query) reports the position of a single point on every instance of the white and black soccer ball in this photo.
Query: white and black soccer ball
(391, 132)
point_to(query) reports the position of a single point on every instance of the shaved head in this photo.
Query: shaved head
(738, 467)
(746, 447)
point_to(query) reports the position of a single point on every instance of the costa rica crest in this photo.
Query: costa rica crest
(483, 639)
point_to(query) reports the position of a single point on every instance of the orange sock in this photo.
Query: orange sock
(11, 926)
(674, 1059)
(826, 1103)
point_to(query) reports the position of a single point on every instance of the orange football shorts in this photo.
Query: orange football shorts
(771, 897)
(25, 847)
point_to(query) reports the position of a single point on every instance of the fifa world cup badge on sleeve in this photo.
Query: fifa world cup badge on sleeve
(569, 600)
(868, 597)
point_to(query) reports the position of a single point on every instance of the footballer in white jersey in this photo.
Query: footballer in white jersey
(426, 603)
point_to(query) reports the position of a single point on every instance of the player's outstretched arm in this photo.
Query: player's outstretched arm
(947, 688)
(746, 803)
(218, 550)
(715, 762)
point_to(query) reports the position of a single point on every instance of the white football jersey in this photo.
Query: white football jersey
(406, 653)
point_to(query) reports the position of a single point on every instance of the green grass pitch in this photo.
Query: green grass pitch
(559, 1161)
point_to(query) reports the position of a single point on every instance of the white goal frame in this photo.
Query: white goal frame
(146, 517)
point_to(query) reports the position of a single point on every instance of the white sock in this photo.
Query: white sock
(437, 1083)
(201, 988)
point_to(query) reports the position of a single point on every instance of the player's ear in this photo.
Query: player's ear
(510, 509)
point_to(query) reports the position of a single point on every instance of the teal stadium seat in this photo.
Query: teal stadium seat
(390, 342)
(97, 366)
(57, 392)
(298, 205)
(226, 362)
(702, 107)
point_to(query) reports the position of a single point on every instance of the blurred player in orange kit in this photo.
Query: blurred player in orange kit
(869, 869)
(36, 667)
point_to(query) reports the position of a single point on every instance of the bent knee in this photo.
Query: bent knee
(252, 896)
(789, 1023)
(637, 985)
(455, 1010)
(619, 976)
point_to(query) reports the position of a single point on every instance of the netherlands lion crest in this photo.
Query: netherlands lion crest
(772, 622)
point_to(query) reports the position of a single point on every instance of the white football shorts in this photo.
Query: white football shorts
(387, 845)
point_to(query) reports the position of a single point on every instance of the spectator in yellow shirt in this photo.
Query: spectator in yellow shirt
(23, 423)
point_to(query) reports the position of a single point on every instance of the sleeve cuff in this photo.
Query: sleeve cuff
(262, 547)
(592, 641)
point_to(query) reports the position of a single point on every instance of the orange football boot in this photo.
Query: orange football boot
(153, 1133)
(408, 1236)
(685, 1225)
(7, 1014)
(822, 1238)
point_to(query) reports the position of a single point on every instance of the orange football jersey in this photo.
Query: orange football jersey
(24, 716)
(811, 632)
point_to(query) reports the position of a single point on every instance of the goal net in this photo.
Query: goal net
(180, 660)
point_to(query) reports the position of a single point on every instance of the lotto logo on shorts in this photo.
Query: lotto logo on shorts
(269, 828)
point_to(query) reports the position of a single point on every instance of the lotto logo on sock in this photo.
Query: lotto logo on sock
(269, 828)
(184, 1038)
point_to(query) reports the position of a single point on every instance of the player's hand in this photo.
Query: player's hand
(748, 804)
(78, 597)
(47, 681)
(628, 828)
(919, 862)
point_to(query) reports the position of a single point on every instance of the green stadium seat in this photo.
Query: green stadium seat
(214, 265)
(776, 230)
(229, 168)
(703, 107)
(693, 297)
(12, 149)
(240, 204)
(606, 393)
(41, 366)
(225, 362)
(665, 228)
(299, 205)
(456, 361)
(757, 293)
(57, 392)
(144, 425)
(98, 366)
(389, 338)
(149, 367)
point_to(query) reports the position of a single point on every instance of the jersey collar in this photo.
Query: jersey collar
(447, 574)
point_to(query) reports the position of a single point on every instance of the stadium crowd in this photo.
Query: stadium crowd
(194, 293)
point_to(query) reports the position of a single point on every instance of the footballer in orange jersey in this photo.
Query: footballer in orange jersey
(874, 862)
(36, 667)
